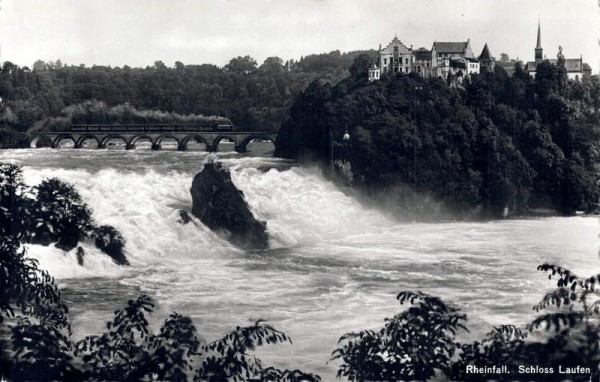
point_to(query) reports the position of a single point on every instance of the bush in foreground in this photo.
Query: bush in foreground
(51, 212)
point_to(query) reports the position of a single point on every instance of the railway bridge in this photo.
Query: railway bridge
(130, 135)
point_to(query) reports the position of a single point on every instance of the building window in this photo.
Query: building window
(384, 61)
(406, 60)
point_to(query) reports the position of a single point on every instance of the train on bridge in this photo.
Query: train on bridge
(129, 135)
(152, 128)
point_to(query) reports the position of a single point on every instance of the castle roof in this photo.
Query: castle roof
(573, 65)
(485, 54)
(422, 54)
(450, 47)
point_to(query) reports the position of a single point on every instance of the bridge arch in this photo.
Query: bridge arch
(139, 138)
(42, 140)
(62, 137)
(263, 137)
(106, 139)
(218, 140)
(158, 142)
(80, 142)
(194, 137)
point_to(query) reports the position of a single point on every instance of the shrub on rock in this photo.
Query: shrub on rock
(60, 215)
(111, 242)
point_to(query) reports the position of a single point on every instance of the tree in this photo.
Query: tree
(272, 65)
(360, 66)
(61, 215)
(411, 346)
(241, 65)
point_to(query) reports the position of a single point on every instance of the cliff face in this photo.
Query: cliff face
(221, 206)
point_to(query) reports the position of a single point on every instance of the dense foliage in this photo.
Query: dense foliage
(419, 343)
(411, 346)
(491, 142)
(51, 212)
(254, 97)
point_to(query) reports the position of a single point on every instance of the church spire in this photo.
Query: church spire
(539, 52)
(539, 37)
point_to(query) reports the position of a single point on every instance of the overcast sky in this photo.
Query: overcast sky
(139, 32)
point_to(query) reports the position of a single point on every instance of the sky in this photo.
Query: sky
(140, 32)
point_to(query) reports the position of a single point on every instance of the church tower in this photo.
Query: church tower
(539, 56)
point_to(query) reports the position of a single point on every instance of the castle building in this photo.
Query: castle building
(486, 61)
(425, 64)
(396, 58)
(576, 68)
(443, 58)
(454, 57)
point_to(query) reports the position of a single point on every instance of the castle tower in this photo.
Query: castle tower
(539, 55)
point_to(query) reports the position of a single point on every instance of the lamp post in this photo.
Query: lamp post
(345, 138)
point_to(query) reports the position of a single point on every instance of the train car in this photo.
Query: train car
(224, 127)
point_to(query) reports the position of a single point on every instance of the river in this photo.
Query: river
(334, 265)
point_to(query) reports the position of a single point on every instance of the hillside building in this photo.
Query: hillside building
(486, 61)
(396, 58)
(454, 57)
(425, 63)
(374, 73)
(575, 67)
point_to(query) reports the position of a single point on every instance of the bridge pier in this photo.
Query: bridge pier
(155, 146)
(240, 149)
(181, 147)
(130, 146)
(101, 145)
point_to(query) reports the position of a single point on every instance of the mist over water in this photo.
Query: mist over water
(334, 266)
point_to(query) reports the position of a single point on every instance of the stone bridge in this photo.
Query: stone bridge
(155, 134)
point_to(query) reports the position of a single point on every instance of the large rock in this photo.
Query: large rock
(221, 206)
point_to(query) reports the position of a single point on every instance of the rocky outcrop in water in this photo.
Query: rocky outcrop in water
(111, 242)
(221, 206)
(183, 217)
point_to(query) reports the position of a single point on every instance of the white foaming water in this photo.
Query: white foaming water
(334, 265)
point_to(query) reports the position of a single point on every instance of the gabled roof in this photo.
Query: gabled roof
(450, 47)
(422, 54)
(485, 54)
(401, 47)
(471, 59)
